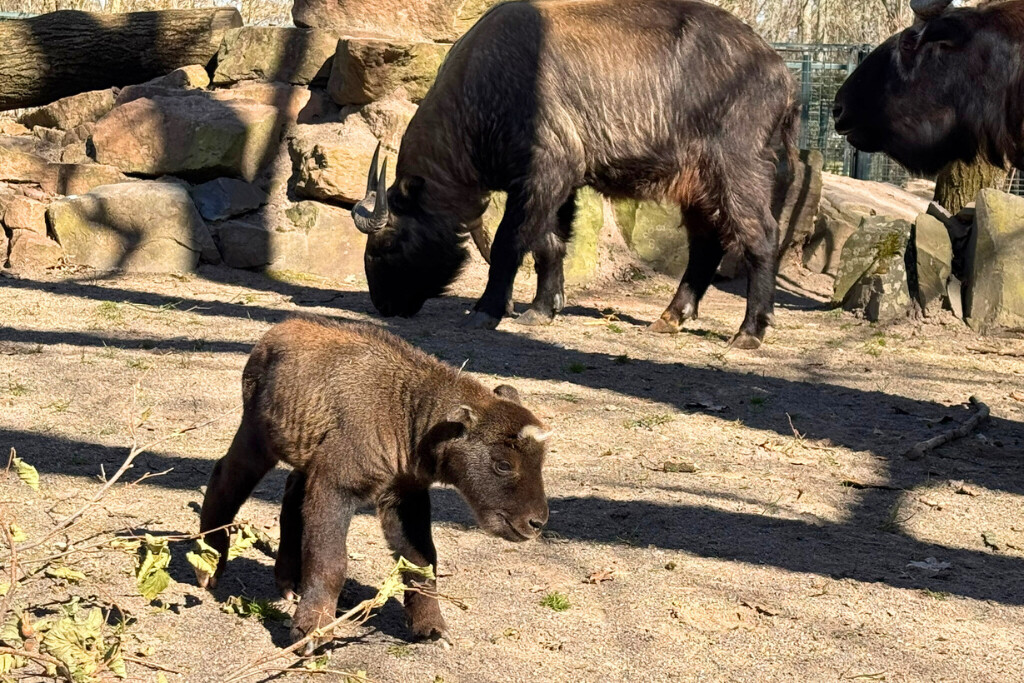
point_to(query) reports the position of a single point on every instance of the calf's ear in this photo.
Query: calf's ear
(507, 392)
(463, 415)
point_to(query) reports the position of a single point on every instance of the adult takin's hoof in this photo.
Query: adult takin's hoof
(533, 318)
(662, 326)
(745, 341)
(478, 320)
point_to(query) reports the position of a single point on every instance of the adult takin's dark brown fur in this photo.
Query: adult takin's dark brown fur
(362, 415)
(949, 87)
(671, 100)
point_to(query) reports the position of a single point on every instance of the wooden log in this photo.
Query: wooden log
(64, 53)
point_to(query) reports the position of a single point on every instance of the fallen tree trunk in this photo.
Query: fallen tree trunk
(67, 52)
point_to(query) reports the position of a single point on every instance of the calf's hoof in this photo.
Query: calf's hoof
(478, 320)
(206, 580)
(745, 341)
(288, 588)
(662, 326)
(534, 318)
(305, 622)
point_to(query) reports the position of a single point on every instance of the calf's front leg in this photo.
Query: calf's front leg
(326, 513)
(405, 519)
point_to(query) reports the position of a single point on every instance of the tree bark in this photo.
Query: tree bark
(959, 183)
(67, 52)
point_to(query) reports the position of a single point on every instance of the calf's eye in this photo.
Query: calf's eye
(503, 467)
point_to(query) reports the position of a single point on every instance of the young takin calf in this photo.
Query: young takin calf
(361, 415)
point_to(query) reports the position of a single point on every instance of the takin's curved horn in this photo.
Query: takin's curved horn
(371, 214)
(929, 9)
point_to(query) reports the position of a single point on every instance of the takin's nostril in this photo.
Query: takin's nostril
(538, 524)
(837, 111)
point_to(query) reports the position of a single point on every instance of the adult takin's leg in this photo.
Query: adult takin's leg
(405, 519)
(288, 567)
(233, 479)
(326, 512)
(549, 257)
(705, 255)
(506, 256)
(757, 230)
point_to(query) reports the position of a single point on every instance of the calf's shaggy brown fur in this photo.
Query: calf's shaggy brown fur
(362, 415)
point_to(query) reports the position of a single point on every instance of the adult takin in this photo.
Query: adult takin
(672, 100)
(360, 415)
(948, 88)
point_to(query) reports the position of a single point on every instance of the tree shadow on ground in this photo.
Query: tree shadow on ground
(856, 549)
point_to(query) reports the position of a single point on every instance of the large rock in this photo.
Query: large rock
(145, 226)
(655, 233)
(929, 262)
(73, 179)
(389, 117)
(188, 136)
(296, 104)
(54, 178)
(442, 20)
(68, 112)
(873, 276)
(12, 127)
(331, 160)
(798, 203)
(24, 213)
(226, 197)
(995, 295)
(845, 202)
(192, 77)
(583, 253)
(307, 237)
(266, 53)
(32, 252)
(367, 70)
(19, 166)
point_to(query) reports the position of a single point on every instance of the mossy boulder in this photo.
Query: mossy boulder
(872, 276)
(995, 295)
(655, 233)
(583, 252)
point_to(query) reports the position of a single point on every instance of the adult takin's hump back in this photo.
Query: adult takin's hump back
(671, 100)
(949, 87)
(360, 415)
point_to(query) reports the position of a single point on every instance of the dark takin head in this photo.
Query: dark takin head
(411, 254)
(940, 90)
(493, 452)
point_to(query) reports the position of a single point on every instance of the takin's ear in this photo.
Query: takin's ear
(507, 392)
(536, 433)
(948, 32)
(463, 415)
(410, 186)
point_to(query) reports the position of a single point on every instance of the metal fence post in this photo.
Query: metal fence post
(805, 100)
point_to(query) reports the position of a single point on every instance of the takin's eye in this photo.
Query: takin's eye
(503, 467)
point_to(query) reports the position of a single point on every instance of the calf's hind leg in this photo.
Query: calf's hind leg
(405, 519)
(233, 479)
(705, 255)
(288, 567)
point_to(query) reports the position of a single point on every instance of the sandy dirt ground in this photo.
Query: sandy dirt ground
(752, 512)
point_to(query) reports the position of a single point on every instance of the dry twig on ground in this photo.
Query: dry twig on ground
(980, 415)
